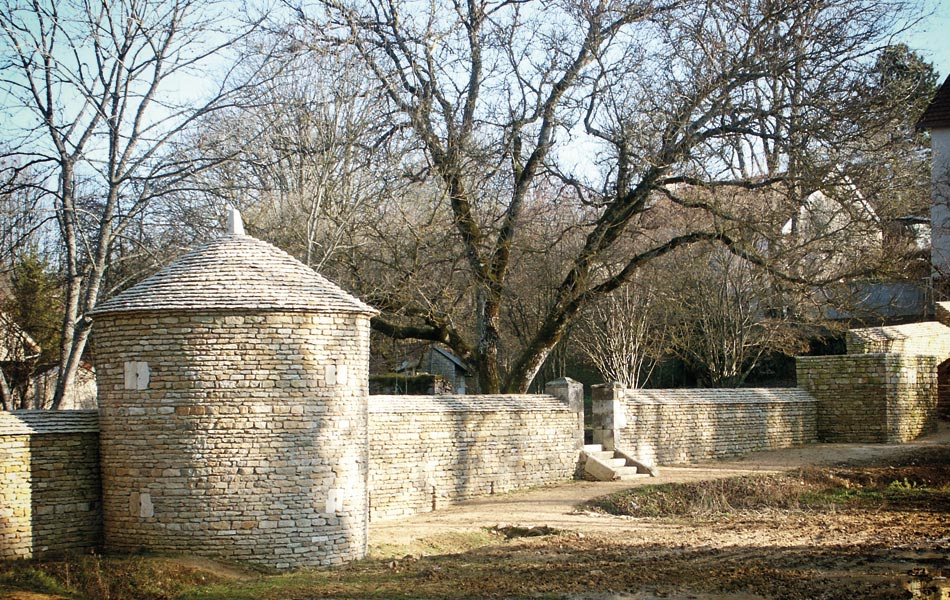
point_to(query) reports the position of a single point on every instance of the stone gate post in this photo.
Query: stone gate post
(571, 393)
(607, 416)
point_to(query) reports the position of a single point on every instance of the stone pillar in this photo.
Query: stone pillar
(571, 393)
(607, 415)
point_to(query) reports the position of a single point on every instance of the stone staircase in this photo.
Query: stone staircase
(613, 465)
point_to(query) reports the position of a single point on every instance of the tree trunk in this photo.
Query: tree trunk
(486, 351)
(68, 228)
(6, 396)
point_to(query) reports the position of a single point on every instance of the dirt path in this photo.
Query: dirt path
(556, 506)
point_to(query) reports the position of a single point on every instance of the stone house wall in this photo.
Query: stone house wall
(430, 451)
(675, 426)
(872, 397)
(438, 364)
(49, 483)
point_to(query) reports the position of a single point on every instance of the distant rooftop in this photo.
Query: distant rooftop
(235, 272)
(937, 114)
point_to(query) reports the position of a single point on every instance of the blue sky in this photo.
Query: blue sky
(932, 38)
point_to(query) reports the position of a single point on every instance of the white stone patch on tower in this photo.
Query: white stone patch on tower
(140, 505)
(146, 508)
(335, 498)
(137, 375)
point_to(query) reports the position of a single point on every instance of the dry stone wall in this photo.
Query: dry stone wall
(429, 451)
(674, 426)
(929, 338)
(241, 436)
(49, 483)
(872, 397)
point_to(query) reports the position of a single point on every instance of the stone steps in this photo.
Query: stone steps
(613, 465)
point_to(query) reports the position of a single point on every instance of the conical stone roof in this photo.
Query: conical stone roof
(235, 272)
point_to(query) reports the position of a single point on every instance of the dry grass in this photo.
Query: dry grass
(924, 484)
(96, 577)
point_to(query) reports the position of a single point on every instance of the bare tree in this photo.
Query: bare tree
(726, 315)
(307, 157)
(624, 333)
(23, 217)
(99, 92)
(496, 96)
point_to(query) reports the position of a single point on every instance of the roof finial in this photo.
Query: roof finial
(235, 223)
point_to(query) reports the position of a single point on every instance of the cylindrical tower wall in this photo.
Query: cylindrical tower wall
(236, 435)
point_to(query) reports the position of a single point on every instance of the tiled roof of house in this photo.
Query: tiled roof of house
(937, 114)
(453, 359)
(235, 272)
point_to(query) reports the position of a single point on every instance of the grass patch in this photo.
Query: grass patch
(95, 577)
(23, 576)
(907, 488)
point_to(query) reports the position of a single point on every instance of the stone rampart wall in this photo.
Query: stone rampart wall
(674, 426)
(872, 397)
(49, 483)
(429, 451)
(426, 452)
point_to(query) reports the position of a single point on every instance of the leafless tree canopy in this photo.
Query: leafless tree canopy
(482, 171)
(609, 110)
(98, 91)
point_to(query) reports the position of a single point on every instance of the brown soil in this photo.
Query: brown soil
(838, 553)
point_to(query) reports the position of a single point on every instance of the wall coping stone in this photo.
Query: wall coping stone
(719, 396)
(900, 332)
(381, 404)
(927, 338)
(869, 356)
(48, 422)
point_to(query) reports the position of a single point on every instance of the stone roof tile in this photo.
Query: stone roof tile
(40, 422)
(235, 272)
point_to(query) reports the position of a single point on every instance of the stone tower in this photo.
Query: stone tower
(233, 407)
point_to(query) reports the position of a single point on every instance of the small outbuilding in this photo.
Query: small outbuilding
(233, 409)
